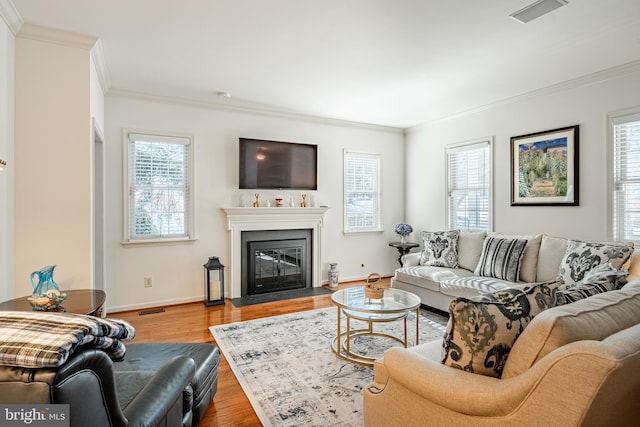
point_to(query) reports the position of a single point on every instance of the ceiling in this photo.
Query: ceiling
(396, 63)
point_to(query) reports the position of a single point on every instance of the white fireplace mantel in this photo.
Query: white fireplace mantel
(273, 218)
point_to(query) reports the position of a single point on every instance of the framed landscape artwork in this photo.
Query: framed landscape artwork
(544, 168)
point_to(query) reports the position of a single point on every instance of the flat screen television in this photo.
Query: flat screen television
(277, 165)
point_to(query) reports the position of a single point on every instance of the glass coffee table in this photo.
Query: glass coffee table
(352, 303)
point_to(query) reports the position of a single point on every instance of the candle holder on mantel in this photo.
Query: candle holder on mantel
(213, 282)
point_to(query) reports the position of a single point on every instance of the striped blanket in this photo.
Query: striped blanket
(45, 340)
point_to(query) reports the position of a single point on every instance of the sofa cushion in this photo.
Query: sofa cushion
(470, 248)
(440, 248)
(501, 258)
(429, 277)
(580, 257)
(593, 318)
(482, 330)
(552, 250)
(472, 286)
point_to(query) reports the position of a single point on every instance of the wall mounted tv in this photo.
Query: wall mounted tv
(277, 165)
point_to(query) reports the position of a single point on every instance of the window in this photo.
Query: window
(361, 192)
(625, 200)
(159, 203)
(469, 185)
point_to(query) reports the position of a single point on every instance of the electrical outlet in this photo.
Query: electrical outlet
(148, 282)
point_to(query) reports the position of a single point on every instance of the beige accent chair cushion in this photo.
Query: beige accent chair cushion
(593, 318)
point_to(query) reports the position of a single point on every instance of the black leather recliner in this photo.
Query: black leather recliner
(101, 392)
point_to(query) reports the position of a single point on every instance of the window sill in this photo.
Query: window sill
(368, 230)
(158, 242)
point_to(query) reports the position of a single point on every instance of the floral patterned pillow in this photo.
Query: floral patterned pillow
(581, 257)
(603, 278)
(481, 331)
(440, 248)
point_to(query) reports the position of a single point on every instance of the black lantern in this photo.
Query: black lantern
(213, 282)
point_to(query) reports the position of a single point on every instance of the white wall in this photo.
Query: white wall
(52, 163)
(586, 105)
(7, 43)
(177, 269)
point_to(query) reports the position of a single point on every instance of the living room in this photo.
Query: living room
(52, 93)
(34, 239)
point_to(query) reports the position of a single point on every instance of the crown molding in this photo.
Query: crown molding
(124, 93)
(60, 37)
(101, 66)
(10, 15)
(586, 80)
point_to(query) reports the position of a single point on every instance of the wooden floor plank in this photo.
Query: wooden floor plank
(191, 322)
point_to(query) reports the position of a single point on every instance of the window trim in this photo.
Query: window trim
(458, 146)
(190, 217)
(620, 116)
(378, 228)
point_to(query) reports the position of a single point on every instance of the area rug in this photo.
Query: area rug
(289, 373)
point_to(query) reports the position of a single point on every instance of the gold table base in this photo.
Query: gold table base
(341, 344)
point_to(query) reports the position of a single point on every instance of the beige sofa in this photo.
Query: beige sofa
(574, 365)
(437, 286)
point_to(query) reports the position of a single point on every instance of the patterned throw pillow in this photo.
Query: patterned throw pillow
(440, 248)
(501, 258)
(581, 257)
(481, 331)
(603, 278)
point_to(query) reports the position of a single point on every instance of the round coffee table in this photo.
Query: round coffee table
(79, 301)
(395, 304)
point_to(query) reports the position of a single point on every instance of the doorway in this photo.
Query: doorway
(98, 209)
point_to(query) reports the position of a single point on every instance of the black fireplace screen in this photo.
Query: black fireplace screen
(276, 264)
(277, 269)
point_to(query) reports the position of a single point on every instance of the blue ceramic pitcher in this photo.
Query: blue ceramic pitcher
(45, 282)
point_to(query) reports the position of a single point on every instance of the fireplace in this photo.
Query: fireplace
(241, 219)
(275, 260)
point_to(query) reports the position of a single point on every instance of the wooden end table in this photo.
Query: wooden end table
(403, 248)
(79, 301)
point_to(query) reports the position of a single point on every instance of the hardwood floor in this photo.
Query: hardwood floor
(190, 323)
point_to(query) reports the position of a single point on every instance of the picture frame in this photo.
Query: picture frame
(544, 168)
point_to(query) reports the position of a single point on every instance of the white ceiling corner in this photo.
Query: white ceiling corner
(10, 15)
(380, 62)
(100, 63)
(56, 36)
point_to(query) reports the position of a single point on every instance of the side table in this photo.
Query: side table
(403, 249)
(79, 301)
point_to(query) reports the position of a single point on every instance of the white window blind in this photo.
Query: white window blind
(361, 192)
(159, 194)
(469, 185)
(626, 178)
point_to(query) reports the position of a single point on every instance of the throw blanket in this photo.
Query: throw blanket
(46, 340)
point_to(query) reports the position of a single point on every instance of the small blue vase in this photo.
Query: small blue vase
(46, 294)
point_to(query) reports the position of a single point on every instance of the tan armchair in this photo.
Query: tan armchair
(559, 373)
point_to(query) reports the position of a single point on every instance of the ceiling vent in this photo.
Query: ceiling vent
(536, 10)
